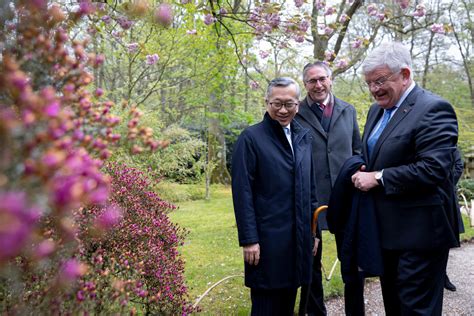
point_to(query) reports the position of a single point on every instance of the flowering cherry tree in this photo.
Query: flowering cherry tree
(339, 32)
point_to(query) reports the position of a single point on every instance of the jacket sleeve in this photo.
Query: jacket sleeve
(314, 194)
(434, 141)
(458, 166)
(244, 161)
(356, 141)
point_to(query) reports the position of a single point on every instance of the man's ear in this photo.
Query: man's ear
(406, 72)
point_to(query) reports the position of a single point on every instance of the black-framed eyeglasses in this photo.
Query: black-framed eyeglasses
(314, 81)
(378, 83)
(279, 105)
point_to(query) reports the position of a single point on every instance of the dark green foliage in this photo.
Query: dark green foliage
(184, 159)
(466, 187)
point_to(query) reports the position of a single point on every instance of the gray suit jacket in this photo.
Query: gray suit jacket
(332, 149)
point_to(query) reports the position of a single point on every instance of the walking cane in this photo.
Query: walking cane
(314, 227)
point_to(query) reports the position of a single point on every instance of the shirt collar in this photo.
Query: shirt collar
(405, 94)
(326, 101)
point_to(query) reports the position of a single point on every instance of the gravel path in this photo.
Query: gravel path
(460, 272)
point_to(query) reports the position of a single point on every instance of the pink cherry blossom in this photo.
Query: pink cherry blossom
(330, 10)
(152, 59)
(100, 6)
(124, 22)
(273, 20)
(264, 54)
(328, 55)
(299, 3)
(254, 85)
(372, 9)
(164, 14)
(299, 38)
(357, 43)
(209, 19)
(344, 17)
(420, 10)
(403, 3)
(106, 19)
(319, 4)
(132, 47)
(304, 25)
(85, 7)
(99, 60)
(342, 63)
(328, 30)
(438, 28)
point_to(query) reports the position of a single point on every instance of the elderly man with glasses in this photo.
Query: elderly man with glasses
(335, 138)
(409, 145)
(274, 197)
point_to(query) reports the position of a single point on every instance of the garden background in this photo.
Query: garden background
(117, 121)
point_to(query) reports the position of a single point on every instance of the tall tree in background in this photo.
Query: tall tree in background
(461, 18)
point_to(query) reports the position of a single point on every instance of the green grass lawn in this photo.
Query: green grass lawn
(211, 252)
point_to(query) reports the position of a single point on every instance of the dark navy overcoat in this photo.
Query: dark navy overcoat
(274, 197)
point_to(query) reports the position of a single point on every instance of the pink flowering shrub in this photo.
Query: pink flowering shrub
(55, 134)
(136, 260)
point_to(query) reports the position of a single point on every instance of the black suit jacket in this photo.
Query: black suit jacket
(415, 207)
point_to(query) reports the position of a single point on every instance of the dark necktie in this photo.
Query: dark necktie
(326, 117)
(375, 136)
(317, 110)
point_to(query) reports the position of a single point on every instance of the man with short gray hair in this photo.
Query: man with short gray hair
(273, 191)
(409, 143)
(335, 137)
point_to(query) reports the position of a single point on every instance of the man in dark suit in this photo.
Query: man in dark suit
(274, 197)
(336, 137)
(409, 142)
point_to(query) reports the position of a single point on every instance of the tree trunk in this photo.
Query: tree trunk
(427, 61)
(217, 152)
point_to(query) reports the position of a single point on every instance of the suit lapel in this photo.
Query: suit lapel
(298, 142)
(398, 117)
(374, 116)
(310, 117)
(336, 112)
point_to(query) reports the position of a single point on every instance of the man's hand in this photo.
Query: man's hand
(364, 181)
(252, 254)
(315, 247)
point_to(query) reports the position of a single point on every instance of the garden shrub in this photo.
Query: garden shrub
(183, 160)
(176, 192)
(137, 261)
(466, 187)
(128, 260)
